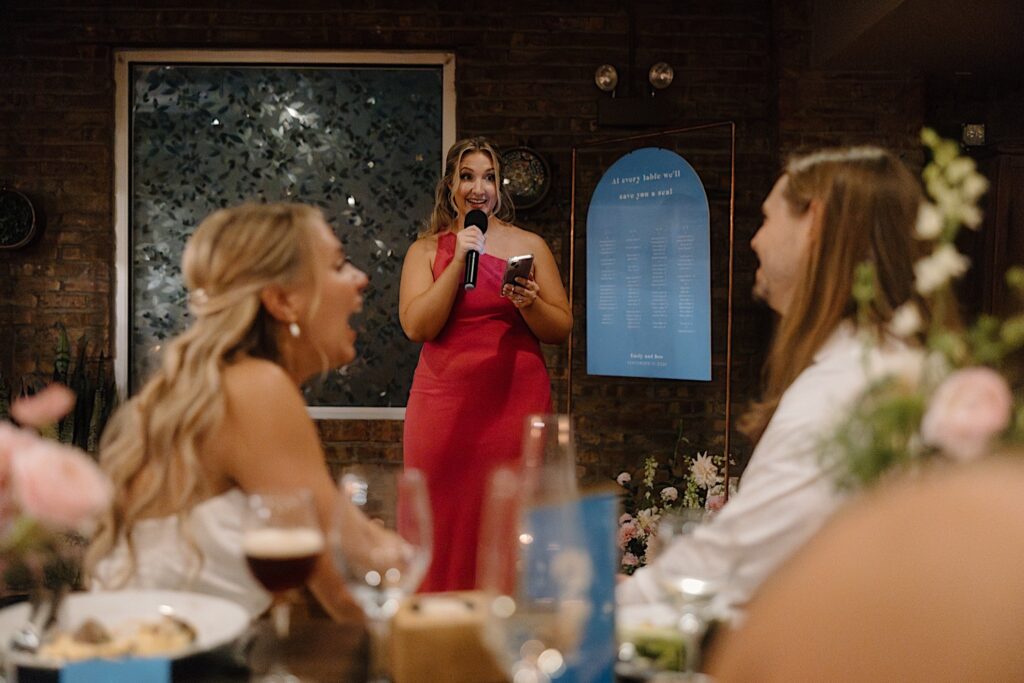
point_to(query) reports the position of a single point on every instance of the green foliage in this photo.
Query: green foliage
(883, 429)
(880, 432)
(92, 380)
(32, 556)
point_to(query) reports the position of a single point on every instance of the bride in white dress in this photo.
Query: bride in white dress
(271, 294)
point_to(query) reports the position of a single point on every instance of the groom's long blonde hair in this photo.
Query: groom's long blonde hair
(151, 447)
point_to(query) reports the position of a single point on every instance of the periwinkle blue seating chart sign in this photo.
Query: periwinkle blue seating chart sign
(649, 270)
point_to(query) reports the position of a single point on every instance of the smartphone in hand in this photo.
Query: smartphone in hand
(517, 266)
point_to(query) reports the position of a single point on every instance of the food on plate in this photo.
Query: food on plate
(658, 648)
(166, 635)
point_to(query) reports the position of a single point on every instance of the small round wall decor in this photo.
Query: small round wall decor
(528, 176)
(17, 219)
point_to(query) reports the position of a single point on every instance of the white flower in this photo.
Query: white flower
(959, 169)
(970, 216)
(907, 366)
(704, 471)
(974, 186)
(647, 520)
(669, 493)
(906, 320)
(948, 200)
(934, 271)
(929, 222)
(623, 478)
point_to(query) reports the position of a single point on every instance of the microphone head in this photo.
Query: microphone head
(477, 218)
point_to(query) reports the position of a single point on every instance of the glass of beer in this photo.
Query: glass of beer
(282, 541)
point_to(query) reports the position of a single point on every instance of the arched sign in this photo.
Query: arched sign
(649, 270)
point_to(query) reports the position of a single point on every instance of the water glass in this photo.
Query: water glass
(531, 563)
(382, 542)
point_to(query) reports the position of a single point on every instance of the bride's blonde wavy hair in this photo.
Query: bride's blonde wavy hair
(151, 447)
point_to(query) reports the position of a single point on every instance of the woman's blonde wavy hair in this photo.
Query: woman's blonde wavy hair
(869, 203)
(151, 448)
(445, 212)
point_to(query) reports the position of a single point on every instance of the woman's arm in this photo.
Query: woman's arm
(423, 302)
(268, 443)
(544, 305)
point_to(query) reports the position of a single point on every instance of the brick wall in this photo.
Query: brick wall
(523, 75)
(820, 107)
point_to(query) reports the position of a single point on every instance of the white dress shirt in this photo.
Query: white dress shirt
(787, 491)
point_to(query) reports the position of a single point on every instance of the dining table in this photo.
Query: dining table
(318, 648)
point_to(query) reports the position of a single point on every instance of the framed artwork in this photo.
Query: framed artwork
(360, 134)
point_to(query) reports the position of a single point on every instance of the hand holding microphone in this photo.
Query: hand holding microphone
(475, 218)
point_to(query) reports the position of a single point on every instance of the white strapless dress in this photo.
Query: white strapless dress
(165, 560)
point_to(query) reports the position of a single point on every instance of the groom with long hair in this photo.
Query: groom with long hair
(828, 212)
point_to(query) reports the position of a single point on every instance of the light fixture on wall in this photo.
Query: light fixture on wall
(622, 105)
(606, 78)
(972, 134)
(660, 75)
(627, 109)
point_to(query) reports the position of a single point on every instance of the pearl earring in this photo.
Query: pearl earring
(293, 329)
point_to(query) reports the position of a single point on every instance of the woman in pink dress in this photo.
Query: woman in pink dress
(481, 370)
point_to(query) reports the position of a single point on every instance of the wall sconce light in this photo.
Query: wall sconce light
(625, 109)
(606, 78)
(660, 75)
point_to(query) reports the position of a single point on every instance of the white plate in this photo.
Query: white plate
(217, 621)
(656, 615)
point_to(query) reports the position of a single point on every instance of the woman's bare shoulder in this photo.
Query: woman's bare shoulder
(531, 241)
(424, 247)
(250, 381)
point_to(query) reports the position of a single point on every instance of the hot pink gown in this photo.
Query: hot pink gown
(474, 385)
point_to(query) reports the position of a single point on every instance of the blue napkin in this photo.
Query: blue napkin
(149, 670)
(595, 662)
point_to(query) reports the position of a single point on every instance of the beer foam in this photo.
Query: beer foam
(278, 543)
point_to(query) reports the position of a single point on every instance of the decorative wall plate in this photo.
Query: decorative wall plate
(17, 219)
(528, 176)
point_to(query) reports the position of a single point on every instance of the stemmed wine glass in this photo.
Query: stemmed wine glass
(692, 592)
(281, 541)
(383, 553)
(531, 561)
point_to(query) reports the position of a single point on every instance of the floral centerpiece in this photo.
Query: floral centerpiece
(688, 481)
(49, 495)
(950, 398)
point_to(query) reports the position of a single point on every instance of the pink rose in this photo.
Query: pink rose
(629, 560)
(627, 532)
(714, 502)
(12, 440)
(59, 486)
(969, 408)
(44, 407)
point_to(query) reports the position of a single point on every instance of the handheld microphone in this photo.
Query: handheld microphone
(477, 218)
